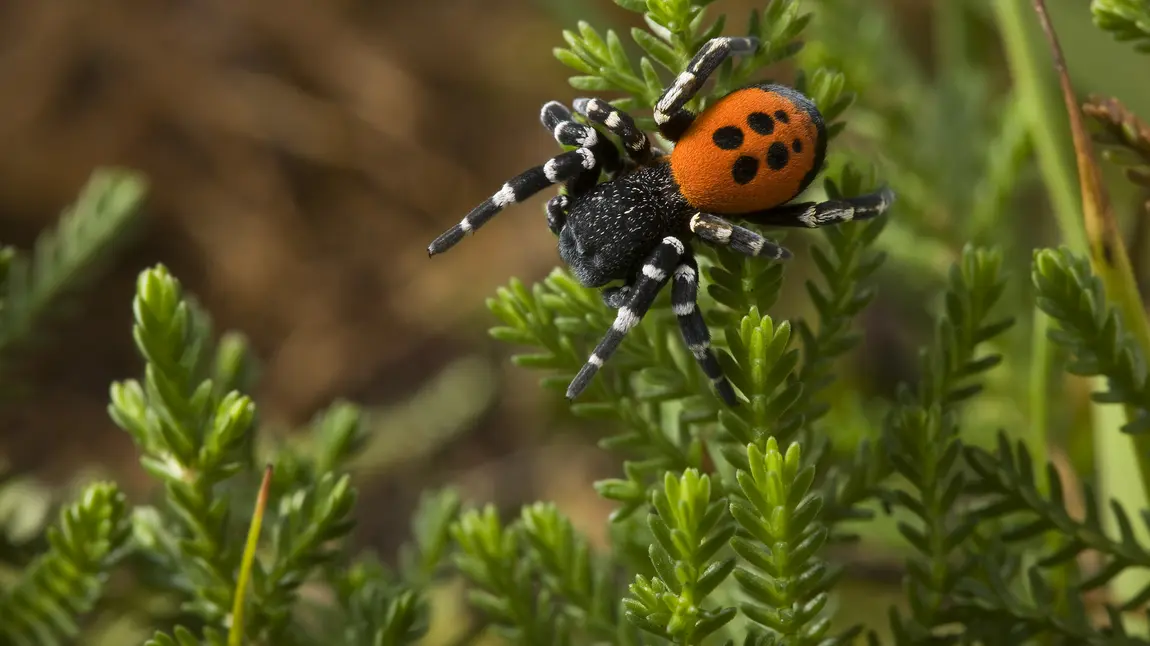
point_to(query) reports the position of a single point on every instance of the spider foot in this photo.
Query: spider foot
(684, 303)
(616, 297)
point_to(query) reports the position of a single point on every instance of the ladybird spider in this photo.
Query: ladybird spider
(745, 157)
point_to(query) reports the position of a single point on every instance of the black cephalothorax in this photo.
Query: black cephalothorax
(635, 226)
(609, 229)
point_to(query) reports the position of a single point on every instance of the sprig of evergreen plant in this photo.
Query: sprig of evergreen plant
(924, 444)
(786, 581)
(45, 606)
(691, 526)
(64, 258)
(1126, 20)
(1092, 332)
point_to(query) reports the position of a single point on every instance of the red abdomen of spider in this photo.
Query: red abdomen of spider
(755, 148)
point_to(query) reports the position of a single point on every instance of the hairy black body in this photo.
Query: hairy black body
(609, 230)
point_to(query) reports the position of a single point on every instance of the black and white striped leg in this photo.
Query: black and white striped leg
(670, 115)
(557, 213)
(716, 230)
(618, 123)
(655, 273)
(557, 118)
(821, 214)
(606, 159)
(558, 169)
(684, 296)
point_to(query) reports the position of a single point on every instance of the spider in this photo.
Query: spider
(745, 156)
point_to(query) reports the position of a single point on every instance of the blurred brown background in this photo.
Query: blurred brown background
(301, 155)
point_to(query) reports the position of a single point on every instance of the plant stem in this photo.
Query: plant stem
(1040, 105)
(1038, 405)
(1034, 84)
(1039, 102)
(236, 633)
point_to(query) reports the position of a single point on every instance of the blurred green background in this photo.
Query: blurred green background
(301, 154)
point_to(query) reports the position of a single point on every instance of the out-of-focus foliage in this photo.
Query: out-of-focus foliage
(65, 258)
(1127, 20)
(64, 583)
(1125, 137)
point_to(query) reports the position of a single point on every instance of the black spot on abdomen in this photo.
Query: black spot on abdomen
(728, 137)
(782, 116)
(777, 156)
(797, 145)
(745, 169)
(761, 122)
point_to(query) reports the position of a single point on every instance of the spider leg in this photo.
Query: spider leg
(654, 275)
(716, 230)
(670, 115)
(558, 169)
(684, 303)
(821, 214)
(616, 297)
(618, 123)
(557, 118)
(557, 213)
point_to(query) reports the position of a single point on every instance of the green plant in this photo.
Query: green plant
(196, 435)
(66, 581)
(64, 258)
(1127, 20)
(960, 509)
(731, 525)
